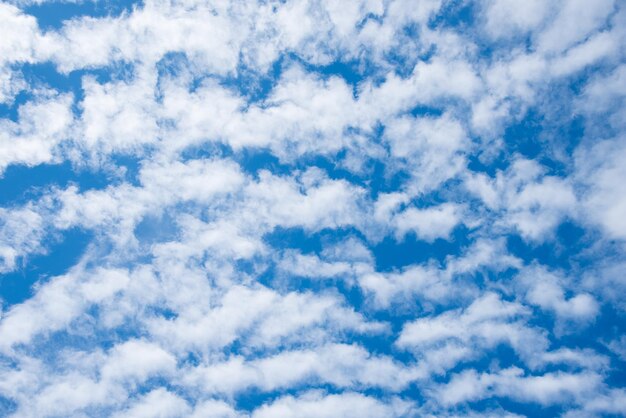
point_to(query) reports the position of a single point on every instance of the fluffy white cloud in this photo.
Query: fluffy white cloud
(546, 389)
(21, 232)
(41, 126)
(573, 22)
(159, 403)
(340, 365)
(428, 284)
(600, 171)
(547, 290)
(532, 203)
(454, 336)
(345, 405)
(503, 15)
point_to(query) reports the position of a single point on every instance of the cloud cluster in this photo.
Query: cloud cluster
(311, 208)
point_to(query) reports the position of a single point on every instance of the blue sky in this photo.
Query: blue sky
(370, 208)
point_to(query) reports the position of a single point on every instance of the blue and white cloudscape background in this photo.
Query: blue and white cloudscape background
(313, 208)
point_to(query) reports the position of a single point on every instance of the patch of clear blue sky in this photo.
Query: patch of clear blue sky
(7, 406)
(52, 15)
(21, 183)
(61, 253)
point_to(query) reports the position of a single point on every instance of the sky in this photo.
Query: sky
(313, 208)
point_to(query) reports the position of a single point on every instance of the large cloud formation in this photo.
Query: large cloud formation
(312, 208)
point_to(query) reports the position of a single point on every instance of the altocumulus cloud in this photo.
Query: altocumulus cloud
(312, 208)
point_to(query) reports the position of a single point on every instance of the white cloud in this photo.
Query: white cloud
(529, 201)
(159, 403)
(503, 15)
(428, 223)
(340, 365)
(260, 317)
(546, 389)
(573, 22)
(57, 303)
(600, 171)
(547, 290)
(429, 284)
(454, 336)
(41, 126)
(19, 40)
(345, 405)
(217, 409)
(21, 232)
(433, 149)
(613, 402)
(596, 48)
(136, 360)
